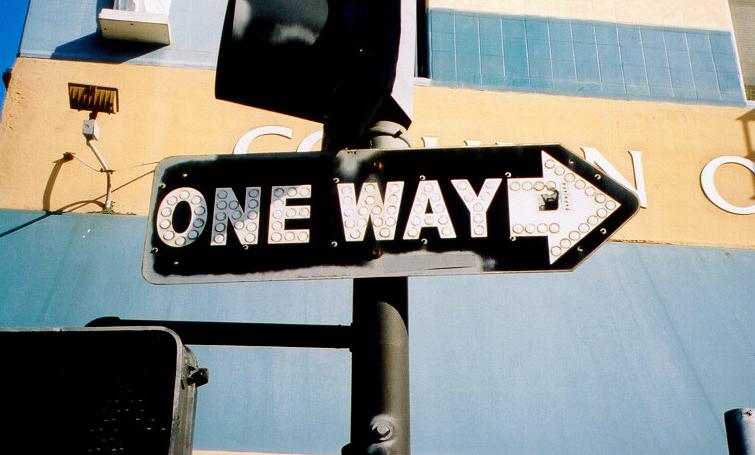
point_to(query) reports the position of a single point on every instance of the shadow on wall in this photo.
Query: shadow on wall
(77, 205)
(113, 51)
(27, 224)
(748, 129)
(51, 182)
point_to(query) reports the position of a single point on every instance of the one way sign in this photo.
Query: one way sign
(368, 213)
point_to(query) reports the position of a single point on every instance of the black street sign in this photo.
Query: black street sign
(369, 213)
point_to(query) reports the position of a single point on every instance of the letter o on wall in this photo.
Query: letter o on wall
(709, 185)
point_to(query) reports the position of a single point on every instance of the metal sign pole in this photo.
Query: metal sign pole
(380, 368)
(740, 431)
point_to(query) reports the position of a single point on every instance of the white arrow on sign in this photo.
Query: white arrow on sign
(560, 205)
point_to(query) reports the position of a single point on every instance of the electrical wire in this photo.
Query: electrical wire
(73, 155)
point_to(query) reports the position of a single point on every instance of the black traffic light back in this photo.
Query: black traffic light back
(330, 61)
(82, 391)
(272, 56)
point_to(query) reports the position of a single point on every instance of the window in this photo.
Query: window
(743, 19)
(423, 57)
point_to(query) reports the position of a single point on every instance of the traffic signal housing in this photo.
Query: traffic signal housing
(121, 390)
(345, 63)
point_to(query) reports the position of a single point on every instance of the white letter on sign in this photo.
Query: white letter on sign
(164, 220)
(280, 212)
(477, 204)
(709, 184)
(356, 212)
(428, 191)
(245, 223)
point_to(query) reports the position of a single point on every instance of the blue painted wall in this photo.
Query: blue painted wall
(65, 29)
(65, 270)
(583, 58)
(466, 49)
(640, 350)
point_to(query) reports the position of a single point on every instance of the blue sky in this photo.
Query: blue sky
(11, 24)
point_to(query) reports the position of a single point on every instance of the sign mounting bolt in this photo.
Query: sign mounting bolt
(382, 428)
(383, 431)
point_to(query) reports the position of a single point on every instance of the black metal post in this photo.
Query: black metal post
(244, 333)
(740, 431)
(380, 368)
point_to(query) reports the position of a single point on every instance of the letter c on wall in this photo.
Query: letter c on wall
(242, 146)
(709, 185)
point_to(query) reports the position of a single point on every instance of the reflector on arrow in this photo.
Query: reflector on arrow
(560, 205)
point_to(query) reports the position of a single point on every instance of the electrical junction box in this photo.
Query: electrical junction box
(91, 130)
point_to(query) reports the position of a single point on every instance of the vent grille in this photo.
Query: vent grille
(92, 98)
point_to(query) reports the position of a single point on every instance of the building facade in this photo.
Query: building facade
(640, 350)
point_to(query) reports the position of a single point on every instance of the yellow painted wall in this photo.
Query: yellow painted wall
(169, 111)
(163, 112)
(676, 140)
(706, 14)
